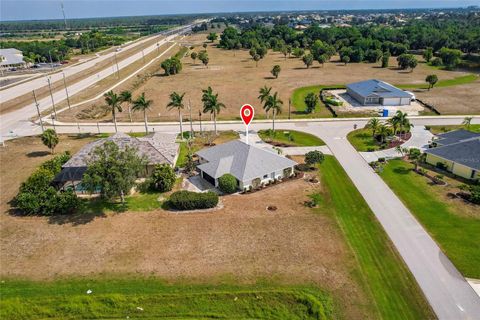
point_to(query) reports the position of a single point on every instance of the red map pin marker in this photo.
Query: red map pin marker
(247, 112)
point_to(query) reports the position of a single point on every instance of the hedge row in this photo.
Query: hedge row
(188, 200)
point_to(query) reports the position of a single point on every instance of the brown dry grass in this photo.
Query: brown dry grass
(237, 80)
(242, 240)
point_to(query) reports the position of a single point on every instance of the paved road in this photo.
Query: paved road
(28, 86)
(16, 122)
(447, 291)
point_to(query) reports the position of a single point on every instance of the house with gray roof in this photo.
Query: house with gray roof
(157, 148)
(375, 92)
(250, 165)
(458, 152)
(11, 58)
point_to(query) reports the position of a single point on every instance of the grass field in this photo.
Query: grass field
(442, 129)
(152, 299)
(394, 289)
(466, 79)
(290, 138)
(458, 235)
(298, 101)
(362, 140)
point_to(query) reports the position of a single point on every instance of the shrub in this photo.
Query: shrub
(227, 183)
(314, 157)
(333, 102)
(188, 200)
(163, 178)
(441, 165)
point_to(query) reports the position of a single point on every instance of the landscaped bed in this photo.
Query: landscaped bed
(362, 140)
(291, 138)
(452, 222)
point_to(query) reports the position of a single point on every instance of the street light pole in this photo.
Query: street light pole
(66, 90)
(118, 69)
(200, 116)
(38, 111)
(143, 57)
(191, 124)
(289, 103)
(51, 96)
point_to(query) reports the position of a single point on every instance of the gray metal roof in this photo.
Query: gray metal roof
(377, 88)
(241, 160)
(466, 153)
(157, 148)
(455, 136)
(11, 57)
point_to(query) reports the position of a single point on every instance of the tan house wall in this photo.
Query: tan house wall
(455, 168)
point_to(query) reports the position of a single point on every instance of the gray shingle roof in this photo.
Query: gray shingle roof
(158, 148)
(243, 161)
(377, 88)
(455, 136)
(466, 153)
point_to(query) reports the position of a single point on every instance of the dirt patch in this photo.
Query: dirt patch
(235, 72)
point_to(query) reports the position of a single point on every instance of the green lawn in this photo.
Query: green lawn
(457, 235)
(362, 140)
(291, 138)
(153, 299)
(395, 292)
(442, 129)
(298, 101)
(469, 78)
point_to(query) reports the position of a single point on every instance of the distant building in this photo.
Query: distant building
(376, 92)
(458, 152)
(158, 148)
(11, 58)
(250, 165)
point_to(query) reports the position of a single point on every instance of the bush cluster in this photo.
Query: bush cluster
(188, 200)
(38, 196)
(227, 183)
(163, 178)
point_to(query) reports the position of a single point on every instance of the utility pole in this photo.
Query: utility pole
(118, 69)
(98, 128)
(64, 18)
(51, 96)
(53, 123)
(289, 103)
(191, 124)
(158, 48)
(66, 90)
(38, 110)
(50, 56)
(200, 116)
(143, 57)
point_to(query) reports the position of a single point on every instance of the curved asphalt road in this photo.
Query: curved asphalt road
(447, 291)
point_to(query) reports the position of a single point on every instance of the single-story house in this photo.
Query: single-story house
(376, 92)
(11, 58)
(158, 148)
(250, 165)
(459, 152)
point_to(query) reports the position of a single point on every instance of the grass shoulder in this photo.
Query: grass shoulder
(394, 290)
(447, 128)
(362, 140)
(152, 298)
(447, 220)
(290, 138)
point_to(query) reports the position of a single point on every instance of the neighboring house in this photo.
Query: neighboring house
(251, 166)
(458, 152)
(11, 58)
(376, 92)
(158, 148)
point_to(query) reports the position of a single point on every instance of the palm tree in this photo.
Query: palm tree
(403, 122)
(467, 122)
(394, 122)
(383, 132)
(373, 124)
(212, 105)
(176, 102)
(264, 93)
(113, 101)
(126, 97)
(141, 104)
(275, 104)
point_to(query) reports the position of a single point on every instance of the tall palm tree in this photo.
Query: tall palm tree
(467, 121)
(176, 102)
(113, 101)
(212, 105)
(373, 124)
(383, 132)
(395, 122)
(273, 103)
(264, 93)
(126, 97)
(141, 104)
(403, 122)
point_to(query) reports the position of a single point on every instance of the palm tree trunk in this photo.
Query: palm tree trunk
(273, 123)
(215, 122)
(145, 119)
(181, 127)
(130, 113)
(122, 196)
(114, 120)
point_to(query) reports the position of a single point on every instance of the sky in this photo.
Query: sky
(50, 9)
